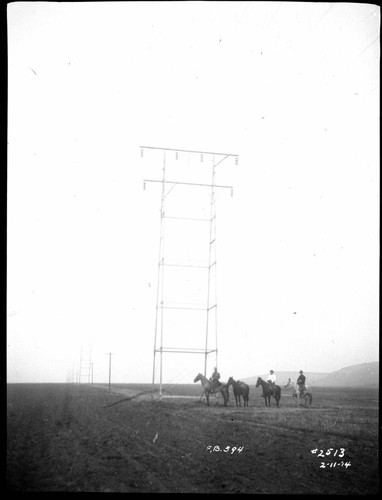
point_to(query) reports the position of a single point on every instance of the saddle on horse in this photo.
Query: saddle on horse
(272, 387)
(302, 390)
(215, 384)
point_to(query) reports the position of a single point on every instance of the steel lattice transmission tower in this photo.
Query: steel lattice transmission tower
(207, 336)
(85, 365)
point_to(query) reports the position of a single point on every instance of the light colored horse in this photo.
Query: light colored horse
(307, 397)
(208, 388)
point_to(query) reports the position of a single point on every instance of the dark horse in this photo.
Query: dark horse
(268, 392)
(239, 389)
(208, 388)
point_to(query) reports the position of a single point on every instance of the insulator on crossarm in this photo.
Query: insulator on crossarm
(141, 153)
(231, 192)
(144, 186)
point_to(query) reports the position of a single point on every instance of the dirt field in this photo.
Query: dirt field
(69, 437)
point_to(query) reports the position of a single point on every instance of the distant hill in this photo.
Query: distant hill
(350, 376)
(282, 377)
(353, 376)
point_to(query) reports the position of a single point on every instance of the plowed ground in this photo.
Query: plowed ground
(70, 437)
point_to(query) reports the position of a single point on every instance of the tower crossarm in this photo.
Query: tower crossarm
(188, 183)
(189, 151)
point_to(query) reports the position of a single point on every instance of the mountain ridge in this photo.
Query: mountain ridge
(349, 376)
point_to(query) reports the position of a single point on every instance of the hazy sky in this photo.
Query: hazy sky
(292, 88)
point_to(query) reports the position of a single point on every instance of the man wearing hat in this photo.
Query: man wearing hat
(301, 383)
(271, 379)
(215, 378)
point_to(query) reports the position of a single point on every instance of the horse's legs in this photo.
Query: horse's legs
(225, 396)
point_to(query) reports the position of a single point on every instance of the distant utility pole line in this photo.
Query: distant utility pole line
(110, 354)
(91, 364)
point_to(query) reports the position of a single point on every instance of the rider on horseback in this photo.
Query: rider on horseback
(215, 378)
(301, 383)
(271, 379)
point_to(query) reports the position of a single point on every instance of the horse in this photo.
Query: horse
(239, 389)
(209, 389)
(296, 392)
(268, 392)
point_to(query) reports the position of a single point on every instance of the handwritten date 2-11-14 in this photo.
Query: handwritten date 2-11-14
(335, 452)
(227, 449)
